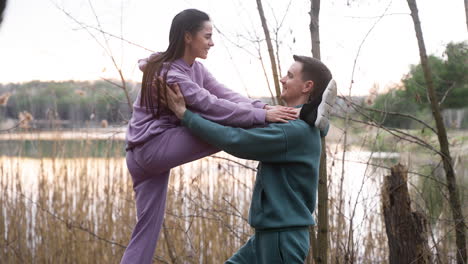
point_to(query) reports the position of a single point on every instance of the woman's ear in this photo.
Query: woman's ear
(187, 37)
(308, 86)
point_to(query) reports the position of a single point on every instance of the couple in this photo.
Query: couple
(203, 117)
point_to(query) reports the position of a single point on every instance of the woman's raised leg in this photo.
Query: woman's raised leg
(174, 147)
(150, 166)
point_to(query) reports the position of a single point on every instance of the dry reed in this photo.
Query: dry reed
(79, 208)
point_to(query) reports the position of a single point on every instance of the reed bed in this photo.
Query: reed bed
(79, 207)
(81, 210)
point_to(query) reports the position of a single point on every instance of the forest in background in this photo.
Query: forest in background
(88, 103)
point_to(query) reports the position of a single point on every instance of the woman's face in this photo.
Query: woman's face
(198, 44)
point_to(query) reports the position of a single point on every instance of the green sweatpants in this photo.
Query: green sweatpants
(271, 247)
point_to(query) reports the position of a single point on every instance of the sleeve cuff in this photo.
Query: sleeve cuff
(259, 116)
(188, 115)
(258, 104)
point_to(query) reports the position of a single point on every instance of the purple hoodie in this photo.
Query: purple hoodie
(203, 95)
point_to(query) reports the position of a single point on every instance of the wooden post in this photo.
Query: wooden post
(406, 230)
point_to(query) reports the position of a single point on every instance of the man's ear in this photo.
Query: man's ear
(308, 86)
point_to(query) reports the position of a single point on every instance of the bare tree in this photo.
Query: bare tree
(454, 199)
(314, 27)
(466, 13)
(271, 52)
(321, 250)
(3, 5)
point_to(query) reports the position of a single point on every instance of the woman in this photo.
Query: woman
(156, 142)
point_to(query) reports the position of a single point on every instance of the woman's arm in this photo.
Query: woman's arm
(222, 110)
(214, 108)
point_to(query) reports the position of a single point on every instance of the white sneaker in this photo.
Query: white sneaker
(325, 107)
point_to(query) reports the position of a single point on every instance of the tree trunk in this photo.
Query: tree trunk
(466, 13)
(274, 67)
(406, 230)
(3, 5)
(314, 27)
(321, 250)
(313, 246)
(322, 231)
(454, 199)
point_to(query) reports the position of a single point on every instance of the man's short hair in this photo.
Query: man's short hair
(316, 71)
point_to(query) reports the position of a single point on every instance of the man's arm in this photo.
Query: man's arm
(263, 144)
(266, 144)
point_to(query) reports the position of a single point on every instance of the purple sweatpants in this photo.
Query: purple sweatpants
(150, 164)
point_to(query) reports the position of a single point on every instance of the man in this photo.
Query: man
(284, 195)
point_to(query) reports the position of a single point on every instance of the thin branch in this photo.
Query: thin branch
(374, 17)
(236, 162)
(233, 42)
(446, 93)
(113, 83)
(107, 49)
(394, 132)
(390, 113)
(112, 57)
(379, 124)
(364, 40)
(232, 60)
(86, 26)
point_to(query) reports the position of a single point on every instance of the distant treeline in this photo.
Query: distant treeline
(74, 101)
(89, 102)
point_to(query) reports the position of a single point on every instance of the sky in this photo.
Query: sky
(38, 41)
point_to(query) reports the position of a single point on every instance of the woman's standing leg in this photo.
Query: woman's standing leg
(149, 166)
(150, 199)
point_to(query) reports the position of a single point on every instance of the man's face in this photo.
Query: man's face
(293, 85)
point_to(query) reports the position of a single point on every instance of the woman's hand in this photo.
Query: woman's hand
(281, 114)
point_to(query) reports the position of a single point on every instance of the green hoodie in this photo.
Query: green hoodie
(285, 189)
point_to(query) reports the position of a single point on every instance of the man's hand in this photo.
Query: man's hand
(281, 114)
(175, 100)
